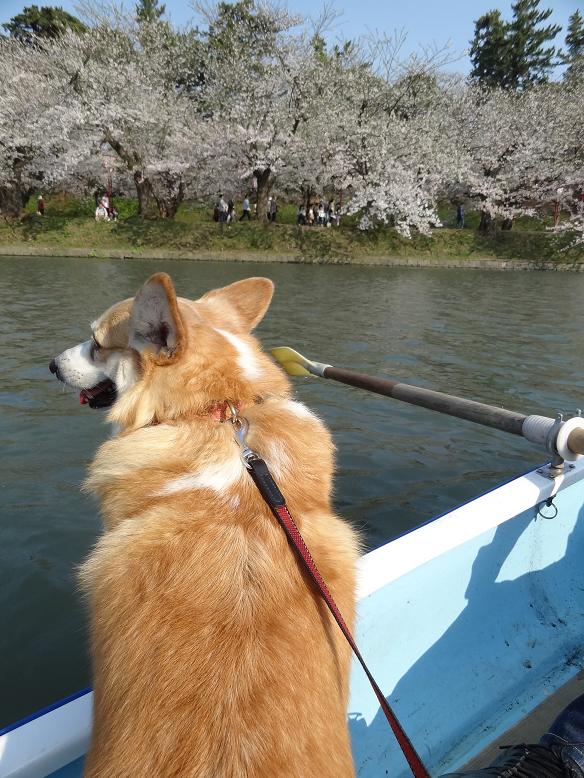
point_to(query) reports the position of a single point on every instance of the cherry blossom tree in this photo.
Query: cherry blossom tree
(394, 136)
(37, 119)
(515, 151)
(265, 84)
(259, 96)
(128, 79)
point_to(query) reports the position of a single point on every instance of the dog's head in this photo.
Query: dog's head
(156, 358)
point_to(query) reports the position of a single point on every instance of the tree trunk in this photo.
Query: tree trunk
(264, 185)
(152, 205)
(13, 199)
(487, 224)
(147, 205)
(169, 205)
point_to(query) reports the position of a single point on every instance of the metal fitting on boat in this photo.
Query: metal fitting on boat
(537, 428)
(553, 434)
(562, 447)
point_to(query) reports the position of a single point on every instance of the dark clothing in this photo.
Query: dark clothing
(559, 754)
(567, 733)
(523, 761)
(460, 217)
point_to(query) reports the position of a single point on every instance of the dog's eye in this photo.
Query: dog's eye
(95, 347)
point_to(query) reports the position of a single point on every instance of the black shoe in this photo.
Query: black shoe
(525, 761)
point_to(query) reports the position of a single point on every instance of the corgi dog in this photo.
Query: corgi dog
(213, 654)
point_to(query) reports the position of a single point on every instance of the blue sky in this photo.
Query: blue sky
(426, 22)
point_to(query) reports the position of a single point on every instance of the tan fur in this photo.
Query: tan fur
(213, 657)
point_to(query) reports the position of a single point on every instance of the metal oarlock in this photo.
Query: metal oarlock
(562, 439)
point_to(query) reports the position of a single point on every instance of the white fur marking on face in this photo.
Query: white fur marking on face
(121, 369)
(247, 360)
(77, 369)
(218, 477)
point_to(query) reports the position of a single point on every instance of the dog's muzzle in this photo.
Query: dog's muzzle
(102, 395)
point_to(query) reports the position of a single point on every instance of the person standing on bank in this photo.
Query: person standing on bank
(245, 210)
(460, 216)
(272, 209)
(222, 209)
(40, 206)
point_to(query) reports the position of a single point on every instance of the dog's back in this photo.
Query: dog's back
(213, 655)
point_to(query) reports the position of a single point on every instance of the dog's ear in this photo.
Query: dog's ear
(248, 300)
(155, 324)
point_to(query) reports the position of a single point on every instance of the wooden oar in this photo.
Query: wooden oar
(537, 429)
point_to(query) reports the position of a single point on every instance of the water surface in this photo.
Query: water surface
(510, 339)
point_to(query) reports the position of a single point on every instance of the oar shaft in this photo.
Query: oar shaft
(563, 439)
(480, 413)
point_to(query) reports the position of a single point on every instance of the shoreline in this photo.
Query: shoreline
(484, 263)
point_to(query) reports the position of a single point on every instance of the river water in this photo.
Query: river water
(505, 338)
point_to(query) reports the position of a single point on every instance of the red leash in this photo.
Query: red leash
(274, 498)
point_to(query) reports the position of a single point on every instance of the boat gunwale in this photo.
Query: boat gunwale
(383, 565)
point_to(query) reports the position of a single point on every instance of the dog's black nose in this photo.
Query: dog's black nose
(53, 366)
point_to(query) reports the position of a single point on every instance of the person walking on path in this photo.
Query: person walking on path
(245, 212)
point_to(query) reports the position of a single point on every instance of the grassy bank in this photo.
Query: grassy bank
(69, 225)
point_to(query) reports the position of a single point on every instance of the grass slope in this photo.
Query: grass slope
(69, 224)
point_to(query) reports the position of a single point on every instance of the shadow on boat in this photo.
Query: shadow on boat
(496, 646)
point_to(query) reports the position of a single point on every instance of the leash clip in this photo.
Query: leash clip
(240, 430)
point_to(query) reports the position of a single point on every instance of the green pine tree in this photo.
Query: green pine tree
(149, 10)
(530, 59)
(44, 22)
(489, 50)
(574, 57)
(514, 55)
